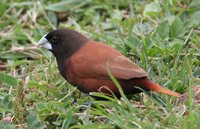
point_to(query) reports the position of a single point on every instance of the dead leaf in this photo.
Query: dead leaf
(181, 106)
(2, 66)
(196, 93)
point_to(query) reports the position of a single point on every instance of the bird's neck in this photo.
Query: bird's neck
(75, 45)
(61, 67)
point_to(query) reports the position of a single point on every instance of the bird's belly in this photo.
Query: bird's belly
(87, 85)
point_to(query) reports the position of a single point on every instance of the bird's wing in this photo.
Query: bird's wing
(94, 59)
(123, 68)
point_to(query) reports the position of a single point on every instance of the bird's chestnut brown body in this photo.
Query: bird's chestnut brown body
(84, 63)
(79, 73)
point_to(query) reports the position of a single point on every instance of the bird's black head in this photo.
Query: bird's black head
(63, 42)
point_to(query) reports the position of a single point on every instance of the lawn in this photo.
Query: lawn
(161, 36)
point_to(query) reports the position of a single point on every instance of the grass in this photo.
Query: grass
(162, 36)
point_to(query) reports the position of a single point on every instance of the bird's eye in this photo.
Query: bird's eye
(54, 39)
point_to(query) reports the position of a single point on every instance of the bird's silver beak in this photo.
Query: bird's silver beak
(44, 43)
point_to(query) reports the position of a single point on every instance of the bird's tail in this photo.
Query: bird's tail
(149, 85)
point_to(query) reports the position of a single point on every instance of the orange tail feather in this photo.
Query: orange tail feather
(157, 88)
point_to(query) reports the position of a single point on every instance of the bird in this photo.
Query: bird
(84, 63)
